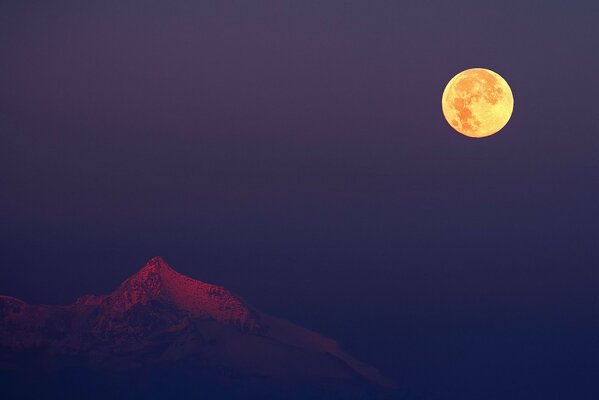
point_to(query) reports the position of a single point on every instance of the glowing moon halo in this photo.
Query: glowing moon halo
(477, 102)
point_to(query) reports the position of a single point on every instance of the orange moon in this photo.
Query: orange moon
(477, 102)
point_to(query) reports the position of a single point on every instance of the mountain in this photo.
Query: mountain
(161, 333)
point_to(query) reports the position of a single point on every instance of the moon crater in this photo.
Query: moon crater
(477, 102)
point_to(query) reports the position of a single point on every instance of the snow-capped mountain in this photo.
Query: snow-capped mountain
(163, 320)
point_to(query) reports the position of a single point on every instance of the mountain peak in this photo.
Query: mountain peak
(151, 277)
(157, 281)
(158, 263)
(159, 316)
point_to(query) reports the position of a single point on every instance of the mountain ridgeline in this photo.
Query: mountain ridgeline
(161, 334)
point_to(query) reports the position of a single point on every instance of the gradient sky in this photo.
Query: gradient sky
(296, 153)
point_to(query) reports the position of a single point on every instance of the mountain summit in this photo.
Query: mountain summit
(160, 320)
(157, 281)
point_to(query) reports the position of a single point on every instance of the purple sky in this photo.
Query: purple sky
(295, 152)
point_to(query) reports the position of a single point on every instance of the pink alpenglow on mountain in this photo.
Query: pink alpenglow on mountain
(159, 321)
(158, 281)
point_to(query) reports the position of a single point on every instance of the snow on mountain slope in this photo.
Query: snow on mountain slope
(158, 316)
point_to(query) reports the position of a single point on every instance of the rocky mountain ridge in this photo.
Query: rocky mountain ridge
(159, 318)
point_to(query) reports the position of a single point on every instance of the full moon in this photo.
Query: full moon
(477, 102)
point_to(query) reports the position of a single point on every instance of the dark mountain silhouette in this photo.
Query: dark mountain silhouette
(161, 334)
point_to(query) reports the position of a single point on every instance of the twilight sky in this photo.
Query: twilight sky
(296, 153)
